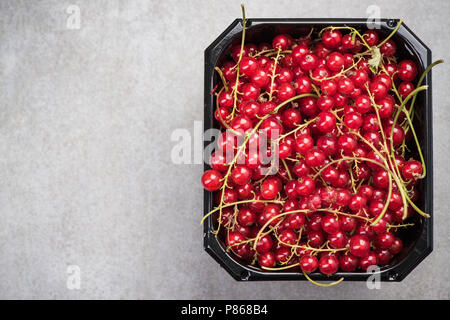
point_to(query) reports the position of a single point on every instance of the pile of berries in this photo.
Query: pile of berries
(341, 104)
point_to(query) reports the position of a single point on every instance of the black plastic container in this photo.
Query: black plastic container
(418, 240)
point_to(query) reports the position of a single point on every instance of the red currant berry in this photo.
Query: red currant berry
(328, 264)
(407, 70)
(359, 245)
(212, 180)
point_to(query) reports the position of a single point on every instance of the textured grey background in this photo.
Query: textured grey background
(85, 171)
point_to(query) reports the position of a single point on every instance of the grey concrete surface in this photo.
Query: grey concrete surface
(85, 171)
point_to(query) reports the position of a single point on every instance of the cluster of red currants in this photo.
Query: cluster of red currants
(341, 102)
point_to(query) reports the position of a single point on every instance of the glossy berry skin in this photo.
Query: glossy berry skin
(386, 106)
(229, 72)
(308, 106)
(328, 87)
(376, 207)
(383, 256)
(303, 85)
(381, 179)
(330, 174)
(248, 66)
(345, 86)
(371, 37)
(296, 221)
(261, 77)
(327, 144)
(291, 117)
(269, 189)
(407, 70)
(391, 69)
(330, 224)
(241, 175)
(363, 104)
(315, 222)
(315, 238)
(331, 38)
(271, 127)
(347, 224)
(384, 240)
(337, 240)
(287, 238)
(250, 109)
(384, 79)
(398, 134)
(225, 99)
(380, 227)
(388, 48)
(218, 162)
(343, 197)
(247, 217)
(264, 244)
(328, 264)
(357, 202)
(325, 103)
(267, 259)
(359, 245)
(286, 75)
(234, 239)
(347, 143)
(300, 169)
(305, 186)
(411, 170)
(282, 254)
(397, 246)
(212, 180)
(308, 62)
(303, 143)
(335, 61)
(326, 121)
(245, 191)
(359, 77)
(320, 73)
(299, 51)
(314, 157)
(285, 91)
(353, 120)
(308, 263)
(241, 123)
(405, 88)
(268, 214)
(396, 200)
(250, 91)
(349, 44)
(282, 41)
(378, 90)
